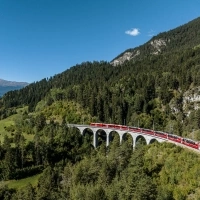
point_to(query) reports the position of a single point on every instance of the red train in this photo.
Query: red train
(171, 137)
(114, 126)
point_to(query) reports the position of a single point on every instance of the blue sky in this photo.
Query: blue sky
(41, 38)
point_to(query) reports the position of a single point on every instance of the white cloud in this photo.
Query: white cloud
(133, 32)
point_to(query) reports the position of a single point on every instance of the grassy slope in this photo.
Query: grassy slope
(5, 123)
(11, 121)
(18, 184)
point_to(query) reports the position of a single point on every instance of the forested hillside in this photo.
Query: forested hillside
(183, 37)
(5, 89)
(158, 90)
(157, 171)
(146, 91)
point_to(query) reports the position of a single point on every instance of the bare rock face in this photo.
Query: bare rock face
(124, 57)
(158, 45)
(155, 47)
(190, 101)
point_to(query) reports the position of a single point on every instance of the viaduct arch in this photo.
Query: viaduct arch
(135, 135)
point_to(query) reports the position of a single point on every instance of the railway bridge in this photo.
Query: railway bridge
(136, 135)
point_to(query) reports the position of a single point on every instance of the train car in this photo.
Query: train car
(161, 134)
(98, 125)
(175, 138)
(190, 143)
(134, 129)
(94, 124)
(123, 127)
(147, 131)
(116, 126)
(111, 126)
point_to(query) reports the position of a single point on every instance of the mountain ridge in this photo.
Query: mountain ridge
(12, 83)
(6, 86)
(186, 36)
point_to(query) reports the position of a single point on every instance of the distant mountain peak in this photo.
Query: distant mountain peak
(6, 86)
(5, 83)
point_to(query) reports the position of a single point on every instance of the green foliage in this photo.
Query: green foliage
(97, 90)
(5, 192)
(47, 185)
(145, 92)
(26, 193)
(157, 171)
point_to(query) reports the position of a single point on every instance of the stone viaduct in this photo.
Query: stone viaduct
(135, 135)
